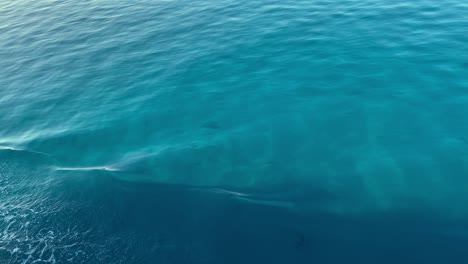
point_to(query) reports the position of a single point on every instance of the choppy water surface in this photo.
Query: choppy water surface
(230, 131)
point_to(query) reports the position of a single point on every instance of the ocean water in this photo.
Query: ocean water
(234, 131)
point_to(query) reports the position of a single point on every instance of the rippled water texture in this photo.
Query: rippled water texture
(202, 131)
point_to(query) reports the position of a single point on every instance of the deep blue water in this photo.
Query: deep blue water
(234, 131)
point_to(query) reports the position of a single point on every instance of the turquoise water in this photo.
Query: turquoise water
(328, 131)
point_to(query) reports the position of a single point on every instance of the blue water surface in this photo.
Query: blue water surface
(234, 131)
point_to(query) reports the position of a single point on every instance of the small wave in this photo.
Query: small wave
(6, 148)
(223, 191)
(250, 198)
(96, 168)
